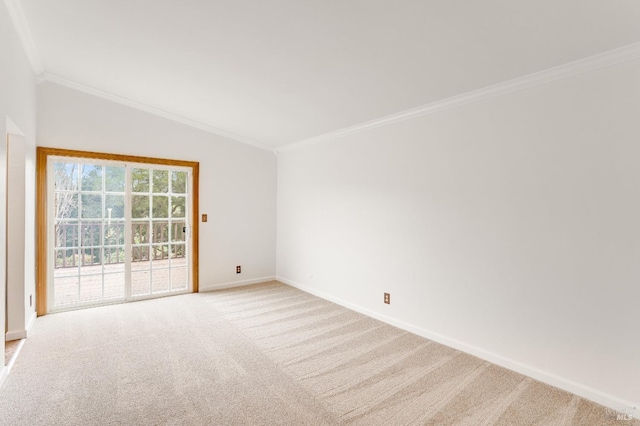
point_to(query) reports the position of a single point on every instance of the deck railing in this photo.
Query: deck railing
(94, 243)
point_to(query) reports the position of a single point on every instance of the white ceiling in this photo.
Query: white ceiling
(280, 71)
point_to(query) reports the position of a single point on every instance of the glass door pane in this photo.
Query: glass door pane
(141, 232)
(178, 230)
(159, 227)
(88, 216)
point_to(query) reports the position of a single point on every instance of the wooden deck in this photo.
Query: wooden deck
(85, 285)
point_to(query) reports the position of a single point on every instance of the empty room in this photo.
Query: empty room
(320, 212)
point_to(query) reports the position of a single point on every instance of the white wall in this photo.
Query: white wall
(237, 181)
(509, 228)
(30, 235)
(16, 191)
(18, 103)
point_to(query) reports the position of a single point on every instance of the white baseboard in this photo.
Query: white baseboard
(235, 284)
(21, 334)
(15, 335)
(581, 390)
(31, 321)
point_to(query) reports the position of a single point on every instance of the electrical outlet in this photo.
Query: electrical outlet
(204, 217)
(238, 269)
(387, 298)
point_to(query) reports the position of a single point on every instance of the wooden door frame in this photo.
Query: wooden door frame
(43, 154)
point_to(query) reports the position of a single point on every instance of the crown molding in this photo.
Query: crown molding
(14, 7)
(581, 66)
(151, 110)
(570, 69)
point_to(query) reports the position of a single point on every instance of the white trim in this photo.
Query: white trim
(32, 320)
(14, 7)
(601, 60)
(15, 335)
(152, 110)
(12, 127)
(91, 305)
(581, 390)
(560, 72)
(128, 249)
(234, 284)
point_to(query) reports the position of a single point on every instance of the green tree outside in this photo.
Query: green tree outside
(81, 190)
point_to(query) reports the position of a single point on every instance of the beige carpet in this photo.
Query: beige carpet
(265, 354)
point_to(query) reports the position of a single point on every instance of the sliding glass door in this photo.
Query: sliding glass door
(159, 255)
(117, 232)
